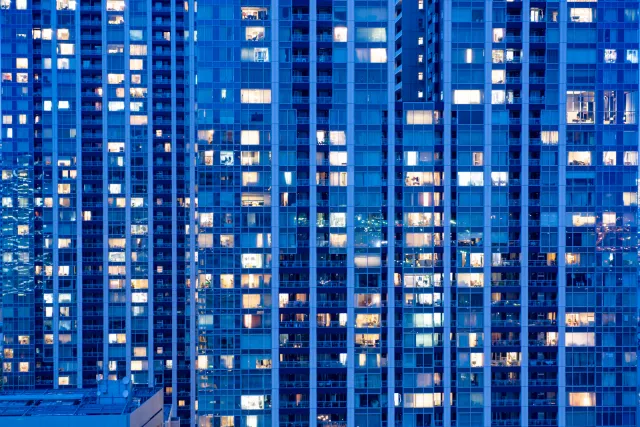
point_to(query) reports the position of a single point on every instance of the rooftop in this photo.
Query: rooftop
(72, 402)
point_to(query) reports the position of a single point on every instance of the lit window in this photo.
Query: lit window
(470, 179)
(419, 117)
(22, 63)
(497, 76)
(66, 48)
(497, 56)
(138, 121)
(467, 96)
(580, 107)
(609, 158)
(498, 97)
(631, 158)
(579, 158)
(498, 35)
(21, 4)
(499, 179)
(420, 41)
(610, 56)
(255, 96)
(420, 76)
(582, 399)
(66, 4)
(632, 56)
(136, 64)
(581, 14)
(373, 55)
(580, 339)
(24, 367)
(252, 403)
(254, 34)
(250, 137)
(114, 79)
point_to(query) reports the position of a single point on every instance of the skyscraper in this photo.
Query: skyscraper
(332, 213)
(95, 190)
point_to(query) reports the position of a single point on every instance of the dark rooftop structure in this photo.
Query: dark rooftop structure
(113, 403)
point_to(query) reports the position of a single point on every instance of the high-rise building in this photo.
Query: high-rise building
(95, 190)
(326, 213)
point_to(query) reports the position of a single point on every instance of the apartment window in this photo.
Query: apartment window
(371, 35)
(66, 5)
(255, 96)
(630, 158)
(467, 96)
(373, 55)
(609, 158)
(470, 179)
(254, 34)
(582, 399)
(498, 76)
(250, 137)
(580, 339)
(499, 179)
(22, 63)
(419, 117)
(549, 137)
(582, 14)
(579, 158)
(630, 106)
(498, 35)
(610, 56)
(610, 107)
(498, 97)
(497, 56)
(252, 403)
(632, 56)
(629, 198)
(580, 107)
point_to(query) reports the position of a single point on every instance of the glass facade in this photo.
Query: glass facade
(325, 212)
(95, 190)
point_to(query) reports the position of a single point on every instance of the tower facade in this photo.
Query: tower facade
(325, 212)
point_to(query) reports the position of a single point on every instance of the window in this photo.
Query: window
(371, 35)
(498, 97)
(499, 179)
(610, 107)
(255, 96)
(340, 34)
(630, 106)
(418, 117)
(254, 34)
(632, 56)
(609, 158)
(582, 14)
(579, 158)
(630, 158)
(582, 399)
(580, 339)
(373, 55)
(610, 56)
(580, 107)
(252, 403)
(258, 54)
(498, 76)
(467, 96)
(250, 137)
(255, 13)
(470, 179)
(422, 400)
(549, 137)
(22, 63)
(497, 56)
